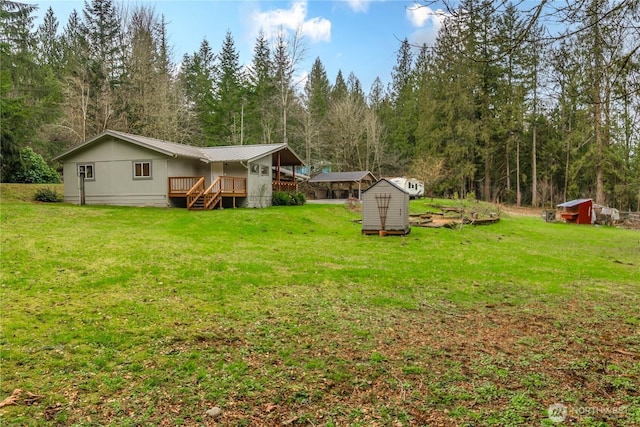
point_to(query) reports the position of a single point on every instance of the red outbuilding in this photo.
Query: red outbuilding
(579, 211)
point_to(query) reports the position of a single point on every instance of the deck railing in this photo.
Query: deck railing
(284, 186)
(234, 186)
(184, 186)
(179, 186)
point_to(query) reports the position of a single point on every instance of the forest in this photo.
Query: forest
(529, 105)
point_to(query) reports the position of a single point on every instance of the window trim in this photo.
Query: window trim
(142, 163)
(85, 165)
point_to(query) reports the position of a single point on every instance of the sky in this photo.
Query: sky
(359, 36)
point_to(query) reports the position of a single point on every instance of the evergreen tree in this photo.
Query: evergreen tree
(483, 47)
(317, 91)
(198, 76)
(339, 89)
(260, 118)
(29, 90)
(103, 33)
(376, 94)
(173, 121)
(401, 121)
(570, 115)
(447, 118)
(49, 43)
(511, 102)
(354, 88)
(141, 94)
(229, 105)
(48, 91)
(16, 112)
(77, 89)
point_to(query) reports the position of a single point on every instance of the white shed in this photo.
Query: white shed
(385, 209)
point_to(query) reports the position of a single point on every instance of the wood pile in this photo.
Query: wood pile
(452, 217)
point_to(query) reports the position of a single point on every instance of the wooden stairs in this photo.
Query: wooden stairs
(200, 198)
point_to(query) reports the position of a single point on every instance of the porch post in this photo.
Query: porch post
(293, 172)
(278, 172)
(82, 198)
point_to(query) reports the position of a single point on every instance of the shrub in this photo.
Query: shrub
(299, 198)
(48, 195)
(280, 198)
(31, 169)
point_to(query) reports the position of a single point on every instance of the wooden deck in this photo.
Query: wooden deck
(200, 197)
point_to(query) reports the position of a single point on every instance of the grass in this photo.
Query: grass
(145, 316)
(10, 193)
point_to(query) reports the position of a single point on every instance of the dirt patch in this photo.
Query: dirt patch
(521, 210)
(440, 367)
(434, 365)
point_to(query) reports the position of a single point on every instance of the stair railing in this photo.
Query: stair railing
(212, 194)
(195, 192)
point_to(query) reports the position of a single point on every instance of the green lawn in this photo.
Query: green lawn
(146, 316)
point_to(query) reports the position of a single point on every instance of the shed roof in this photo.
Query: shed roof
(572, 203)
(343, 177)
(233, 153)
(393, 184)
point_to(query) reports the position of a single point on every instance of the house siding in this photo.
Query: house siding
(397, 213)
(259, 187)
(115, 158)
(114, 183)
(184, 167)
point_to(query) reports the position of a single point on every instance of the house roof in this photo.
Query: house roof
(393, 184)
(248, 153)
(572, 203)
(165, 147)
(233, 153)
(343, 177)
(289, 172)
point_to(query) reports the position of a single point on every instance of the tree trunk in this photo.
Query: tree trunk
(518, 191)
(597, 123)
(534, 167)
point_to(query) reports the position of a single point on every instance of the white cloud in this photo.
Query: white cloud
(418, 15)
(428, 23)
(295, 18)
(359, 5)
(317, 29)
(424, 36)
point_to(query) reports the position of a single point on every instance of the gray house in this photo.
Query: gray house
(385, 209)
(117, 168)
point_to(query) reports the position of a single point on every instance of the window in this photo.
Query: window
(141, 170)
(264, 170)
(87, 171)
(255, 168)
